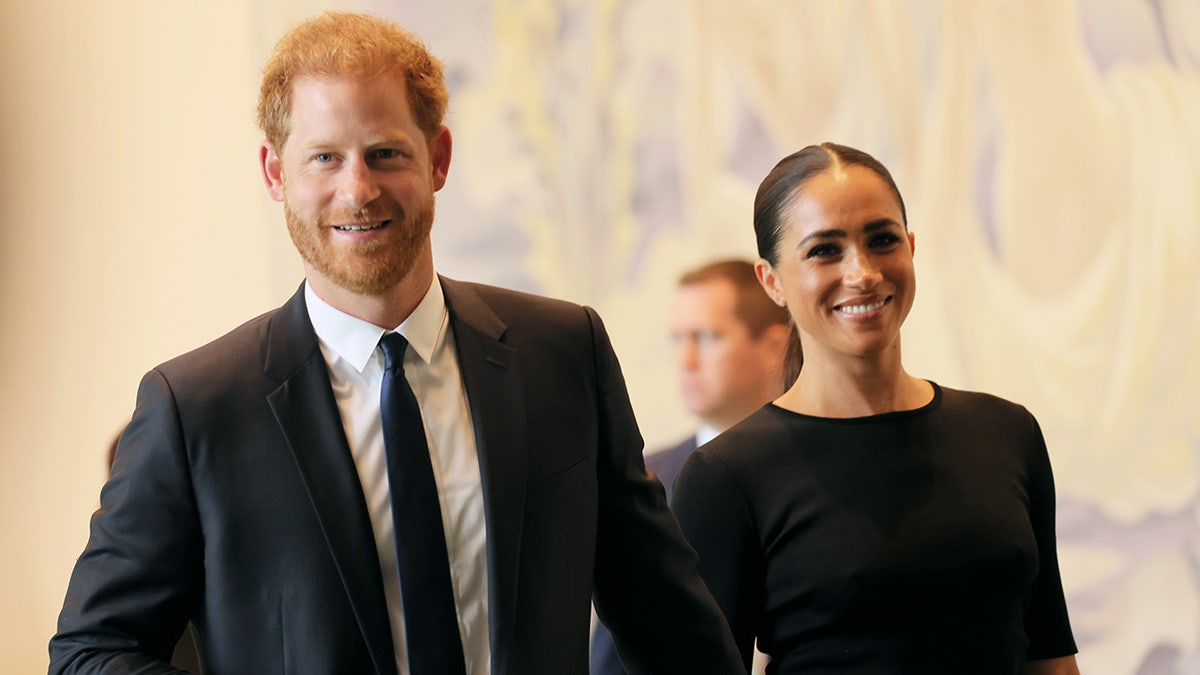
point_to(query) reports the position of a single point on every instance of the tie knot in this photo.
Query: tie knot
(393, 346)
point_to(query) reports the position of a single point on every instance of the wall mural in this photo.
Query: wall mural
(1049, 153)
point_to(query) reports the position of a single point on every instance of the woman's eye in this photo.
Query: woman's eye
(884, 240)
(822, 251)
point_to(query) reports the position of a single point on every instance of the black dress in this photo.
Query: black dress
(910, 542)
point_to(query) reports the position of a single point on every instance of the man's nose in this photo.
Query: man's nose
(686, 354)
(358, 186)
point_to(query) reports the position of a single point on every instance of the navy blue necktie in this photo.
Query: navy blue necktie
(430, 620)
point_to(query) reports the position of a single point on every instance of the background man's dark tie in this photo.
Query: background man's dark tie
(430, 620)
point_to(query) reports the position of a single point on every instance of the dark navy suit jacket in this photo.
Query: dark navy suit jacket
(235, 503)
(665, 464)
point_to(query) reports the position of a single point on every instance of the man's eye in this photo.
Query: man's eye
(385, 154)
(324, 157)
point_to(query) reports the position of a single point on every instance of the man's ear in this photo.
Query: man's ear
(272, 170)
(769, 281)
(439, 157)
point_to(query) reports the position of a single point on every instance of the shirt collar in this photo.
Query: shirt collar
(355, 340)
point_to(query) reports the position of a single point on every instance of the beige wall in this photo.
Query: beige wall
(132, 227)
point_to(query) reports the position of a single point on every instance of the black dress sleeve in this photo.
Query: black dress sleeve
(1046, 622)
(716, 518)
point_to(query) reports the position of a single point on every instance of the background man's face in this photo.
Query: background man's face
(724, 373)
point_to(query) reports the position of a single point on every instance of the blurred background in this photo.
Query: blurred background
(1048, 152)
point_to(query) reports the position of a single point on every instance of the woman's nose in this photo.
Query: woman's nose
(862, 271)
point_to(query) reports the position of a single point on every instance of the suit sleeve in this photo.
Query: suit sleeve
(133, 588)
(648, 589)
(716, 520)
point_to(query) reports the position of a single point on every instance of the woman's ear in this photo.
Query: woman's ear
(769, 281)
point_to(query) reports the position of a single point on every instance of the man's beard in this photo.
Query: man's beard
(366, 268)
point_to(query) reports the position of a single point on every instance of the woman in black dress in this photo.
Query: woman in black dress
(869, 521)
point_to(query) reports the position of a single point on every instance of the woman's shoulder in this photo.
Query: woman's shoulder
(974, 404)
(752, 441)
(730, 469)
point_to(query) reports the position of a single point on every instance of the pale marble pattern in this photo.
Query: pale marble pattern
(1049, 153)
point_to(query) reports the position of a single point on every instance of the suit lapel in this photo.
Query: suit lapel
(307, 414)
(492, 378)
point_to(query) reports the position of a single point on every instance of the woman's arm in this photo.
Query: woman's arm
(1061, 666)
(716, 521)
(1046, 622)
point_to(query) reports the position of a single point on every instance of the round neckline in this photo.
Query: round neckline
(878, 417)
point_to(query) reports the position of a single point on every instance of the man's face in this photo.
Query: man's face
(724, 373)
(357, 178)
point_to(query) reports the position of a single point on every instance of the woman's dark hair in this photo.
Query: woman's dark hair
(778, 190)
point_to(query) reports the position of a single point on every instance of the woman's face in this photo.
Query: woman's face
(844, 269)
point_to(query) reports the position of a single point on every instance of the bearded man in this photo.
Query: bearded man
(394, 472)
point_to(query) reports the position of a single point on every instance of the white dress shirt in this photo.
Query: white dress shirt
(350, 348)
(705, 434)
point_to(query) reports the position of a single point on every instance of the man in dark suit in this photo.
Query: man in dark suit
(257, 490)
(730, 341)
